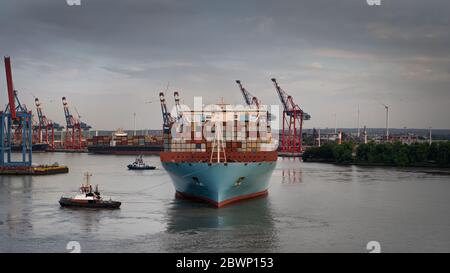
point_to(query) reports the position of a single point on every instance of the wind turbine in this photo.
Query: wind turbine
(429, 140)
(335, 124)
(387, 121)
(358, 122)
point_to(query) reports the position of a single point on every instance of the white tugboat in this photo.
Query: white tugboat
(139, 164)
(88, 198)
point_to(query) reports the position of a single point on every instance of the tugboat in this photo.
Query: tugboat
(139, 164)
(88, 198)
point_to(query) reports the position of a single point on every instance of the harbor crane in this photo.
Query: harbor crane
(74, 129)
(17, 117)
(248, 97)
(179, 116)
(45, 128)
(251, 100)
(17, 127)
(293, 117)
(176, 96)
(168, 120)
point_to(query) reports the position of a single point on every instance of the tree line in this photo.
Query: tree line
(389, 154)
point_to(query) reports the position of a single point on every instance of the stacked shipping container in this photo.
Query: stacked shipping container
(240, 132)
(124, 140)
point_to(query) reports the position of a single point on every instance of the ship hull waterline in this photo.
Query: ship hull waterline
(68, 202)
(220, 184)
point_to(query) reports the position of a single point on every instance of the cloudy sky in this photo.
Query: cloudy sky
(112, 57)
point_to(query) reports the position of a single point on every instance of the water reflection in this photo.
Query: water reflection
(198, 225)
(291, 172)
(16, 203)
(291, 176)
(87, 220)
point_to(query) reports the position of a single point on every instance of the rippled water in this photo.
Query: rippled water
(310, 207)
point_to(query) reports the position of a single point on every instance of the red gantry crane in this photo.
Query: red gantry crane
(74, 129)
(293, 117)
(45, 128)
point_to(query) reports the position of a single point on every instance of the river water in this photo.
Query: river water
(311, 207)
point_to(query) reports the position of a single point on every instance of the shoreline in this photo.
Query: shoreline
(367, 164)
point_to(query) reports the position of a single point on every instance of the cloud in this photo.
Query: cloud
(342, 54)
(316, 65)
(145, 69)
(319, 50)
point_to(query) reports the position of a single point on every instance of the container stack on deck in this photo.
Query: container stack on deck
(140, 144)
(239, 135)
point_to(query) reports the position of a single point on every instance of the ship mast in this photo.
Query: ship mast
(218, 143)
(87, 175)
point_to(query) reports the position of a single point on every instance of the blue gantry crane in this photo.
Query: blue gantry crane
(17, 117)
(168, 120)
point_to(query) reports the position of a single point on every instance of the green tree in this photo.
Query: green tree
(391, 154)
(443, 153)
(362, 152)
(433, 151)
(418, 152)
(399, 154)
(343, 153)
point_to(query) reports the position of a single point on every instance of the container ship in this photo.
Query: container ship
(122, 144)
(219, 156)
(37, 147)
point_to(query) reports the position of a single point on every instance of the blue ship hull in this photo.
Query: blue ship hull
(220, 183)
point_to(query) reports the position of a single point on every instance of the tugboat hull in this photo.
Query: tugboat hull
(68, 202)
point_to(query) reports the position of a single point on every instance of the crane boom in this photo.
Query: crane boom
(43, 121)
(176, 96)
(284, 97)
(288, 102)
(70, 120)
(167, 118)
(9, 83)
(248, 97)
